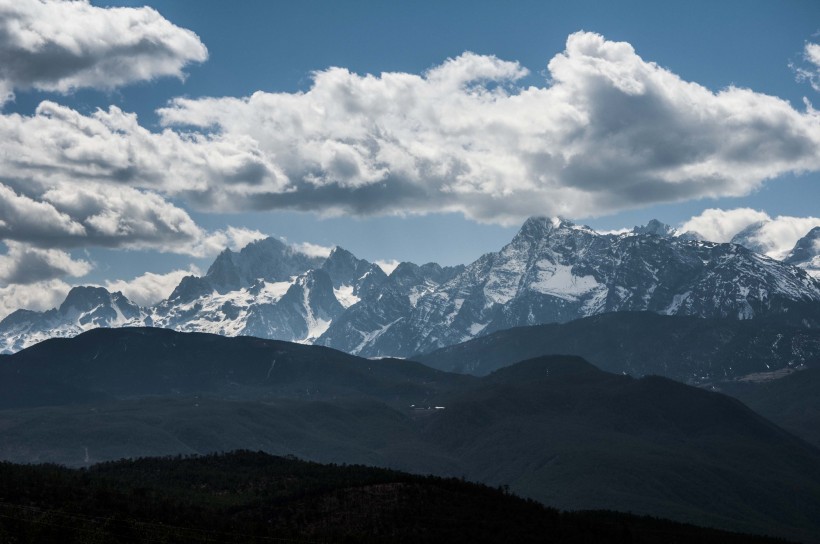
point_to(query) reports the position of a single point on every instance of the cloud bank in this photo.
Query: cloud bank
(59, 45)
(37, 296)
(610, 131)
(150, 288)
(24, 265)
(772, 236)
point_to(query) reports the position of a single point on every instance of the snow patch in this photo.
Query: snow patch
(345, 296)
(558, 280)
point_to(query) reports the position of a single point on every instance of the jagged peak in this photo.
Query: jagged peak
(405, 267)
(338, 253)
(806, 248)
(655, 228)
(84, 296)
(541, 225)
(692, 236)
(813, 234)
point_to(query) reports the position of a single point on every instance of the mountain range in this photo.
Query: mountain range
(687, 349)
(552, 271)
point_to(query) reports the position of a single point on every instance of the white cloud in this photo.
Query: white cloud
(811, 55)
(33, 296)
(93, 213)
(57, 45)
(150, 288)
(234, 238)
(67, 214)
(717, 225)
(25, 265)
(312, 250)
(774, 237)
(611, 131)
(388, 266)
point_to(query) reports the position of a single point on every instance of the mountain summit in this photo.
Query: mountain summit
(551, 271)
(806, 253)
(556, 271)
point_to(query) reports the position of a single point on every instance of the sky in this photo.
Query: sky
(137, 140)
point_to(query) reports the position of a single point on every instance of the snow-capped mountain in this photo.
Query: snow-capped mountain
(269, 290)
(84, 308)
(806, 253)
(656, 228)
(553, 270)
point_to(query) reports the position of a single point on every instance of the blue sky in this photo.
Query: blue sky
(275, 47)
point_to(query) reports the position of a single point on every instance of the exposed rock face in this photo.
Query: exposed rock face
(552, 271)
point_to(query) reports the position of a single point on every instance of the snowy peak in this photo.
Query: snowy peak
(806, 248)
(344, 268)
(551, 271)
(189, 289)
(314, 289)
(223, 274)
(541, 227)
(269, 259)
(750, 238)
(84, 308)
(655, 228)
(806, 253)
(370, 281)
(100, 306)
(555, 271)
(83, 299)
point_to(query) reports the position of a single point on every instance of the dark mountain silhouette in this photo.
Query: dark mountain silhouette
(686, 349)
(556, 429)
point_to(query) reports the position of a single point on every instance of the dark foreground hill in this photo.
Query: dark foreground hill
(253, 497)
(555, 429)
(687, 349)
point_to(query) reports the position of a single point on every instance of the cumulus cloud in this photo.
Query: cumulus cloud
(754, 229)
(68, 215)
(717, 225)
(150, 288)
(312, 250)
(610, 131)
(76, 214)
(234, 238)
(39, 296)
(25, 265)
(810, 72)
(60, 45)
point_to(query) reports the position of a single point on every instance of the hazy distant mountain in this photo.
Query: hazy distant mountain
(791, 400)
(688, 349)
(552, 271)
(555, 429)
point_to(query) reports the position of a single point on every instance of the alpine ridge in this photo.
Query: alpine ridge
(553, 271)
